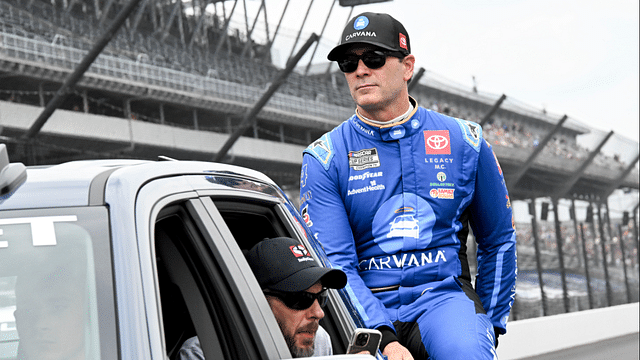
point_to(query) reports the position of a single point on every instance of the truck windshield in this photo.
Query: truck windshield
(48, 291)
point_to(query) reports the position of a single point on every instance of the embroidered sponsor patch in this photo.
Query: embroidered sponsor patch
(403, 41)
(373, 186)
(471, 132)
(364, 159)
(365, 176)
(322, 149)
(305, 197)
(303, 176)
(360, 127)
(305, 216)
(442, 193)
(440, 184)
(436, 142)
(299, 250)
(399, 261)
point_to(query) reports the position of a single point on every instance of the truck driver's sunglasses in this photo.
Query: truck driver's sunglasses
(371, 59)
(301, 300)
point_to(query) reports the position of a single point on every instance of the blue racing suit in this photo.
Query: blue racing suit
(391, 206)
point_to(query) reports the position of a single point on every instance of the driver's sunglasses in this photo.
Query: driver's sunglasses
(371, 59)
(301, 300)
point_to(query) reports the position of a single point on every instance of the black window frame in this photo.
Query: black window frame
(208, 293)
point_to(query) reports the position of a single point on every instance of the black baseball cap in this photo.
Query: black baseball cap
(381, 30)
(284, 264)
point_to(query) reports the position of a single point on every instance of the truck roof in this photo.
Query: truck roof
(82, 183)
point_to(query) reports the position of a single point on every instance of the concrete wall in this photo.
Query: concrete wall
(539, 336)
(122, 131)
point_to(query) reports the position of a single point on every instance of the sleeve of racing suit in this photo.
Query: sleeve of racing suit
(327, 218)
(494, 229)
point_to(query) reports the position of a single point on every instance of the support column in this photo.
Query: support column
(43, 103)
(85, 101)
(229, 125)
(604, 256)
(161, 109)
(195, 119)
(536, 244)
(127, 109)
(592, 225)
(575, 230)
(624, 263)
(304, 20)
(586, 266)
(609, 230)
(559, 243)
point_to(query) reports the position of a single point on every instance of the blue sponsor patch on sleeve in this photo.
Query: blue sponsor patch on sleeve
(322, 149)
(472, 133)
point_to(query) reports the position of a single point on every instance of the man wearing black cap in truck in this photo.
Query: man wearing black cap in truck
(390, 193)
(296, 289)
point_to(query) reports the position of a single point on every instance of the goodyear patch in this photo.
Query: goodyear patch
(471, 132)
(322, 149)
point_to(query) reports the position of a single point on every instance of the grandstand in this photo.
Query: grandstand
(176, 81)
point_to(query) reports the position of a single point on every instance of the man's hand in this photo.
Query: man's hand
(395, 351)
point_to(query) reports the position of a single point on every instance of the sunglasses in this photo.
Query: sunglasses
(300, 300)
(371, 59)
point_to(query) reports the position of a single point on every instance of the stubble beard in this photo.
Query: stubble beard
(298, 352)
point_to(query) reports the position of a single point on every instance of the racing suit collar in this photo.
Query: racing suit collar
(390, 132)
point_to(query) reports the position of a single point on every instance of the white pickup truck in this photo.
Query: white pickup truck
(129, 258)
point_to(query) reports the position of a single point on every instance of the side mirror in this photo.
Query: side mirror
(11, 175)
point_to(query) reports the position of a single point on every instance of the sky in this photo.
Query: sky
(574, 57)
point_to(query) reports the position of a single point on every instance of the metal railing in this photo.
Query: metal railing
(600, 266)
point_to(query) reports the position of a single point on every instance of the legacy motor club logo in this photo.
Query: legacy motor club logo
(436, 142)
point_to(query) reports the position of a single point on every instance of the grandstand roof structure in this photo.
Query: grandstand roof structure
(176, 80)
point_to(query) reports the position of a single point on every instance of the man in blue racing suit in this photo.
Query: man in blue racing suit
(390, 194)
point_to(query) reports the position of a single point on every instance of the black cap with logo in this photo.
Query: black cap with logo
(283, 264)
(381, 30)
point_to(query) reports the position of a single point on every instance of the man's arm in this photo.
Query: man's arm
(191, 350)
(325, 214)
(494, 229)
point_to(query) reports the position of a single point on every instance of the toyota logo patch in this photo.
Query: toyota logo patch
(436, 142)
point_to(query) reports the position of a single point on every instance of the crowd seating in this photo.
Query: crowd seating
(46, 22)
(43, 21)
(514, 134)
(621, 274)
